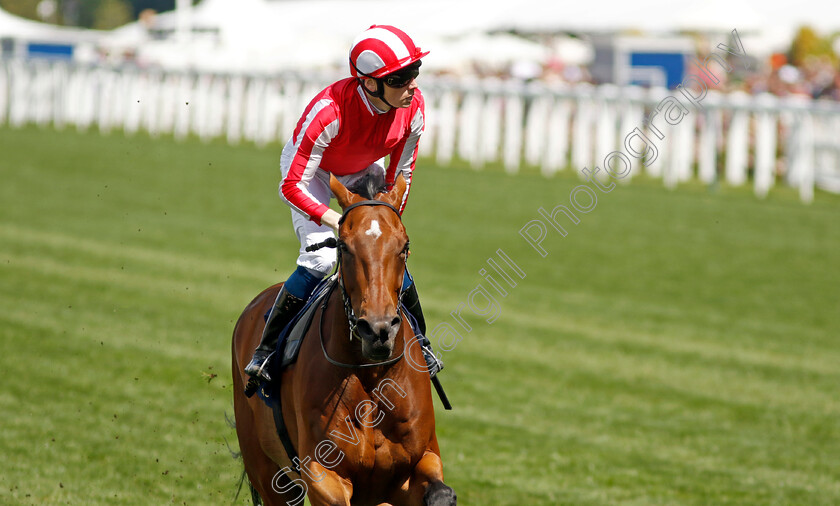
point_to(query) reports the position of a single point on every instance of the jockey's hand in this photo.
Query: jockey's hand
(330, 219)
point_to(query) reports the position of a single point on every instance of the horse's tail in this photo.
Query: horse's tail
(255, 496)
(256, 500)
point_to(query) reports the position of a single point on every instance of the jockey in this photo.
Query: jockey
(347, 130)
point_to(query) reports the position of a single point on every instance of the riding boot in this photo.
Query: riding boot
(286, 306)
(411, 301)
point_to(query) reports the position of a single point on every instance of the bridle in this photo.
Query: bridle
(352, 319)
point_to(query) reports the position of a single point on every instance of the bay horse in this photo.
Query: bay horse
(357, 408)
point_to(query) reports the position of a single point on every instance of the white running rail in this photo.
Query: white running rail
(736, 138)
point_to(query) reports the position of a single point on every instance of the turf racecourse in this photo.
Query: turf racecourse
(677, 347)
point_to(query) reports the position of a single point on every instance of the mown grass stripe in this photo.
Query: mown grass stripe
(678, 347)
(189, 266)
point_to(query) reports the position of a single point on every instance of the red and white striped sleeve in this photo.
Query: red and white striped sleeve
(404, 156)
(318, 126)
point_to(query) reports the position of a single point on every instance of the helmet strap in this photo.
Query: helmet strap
(380, 85)
(380, 90)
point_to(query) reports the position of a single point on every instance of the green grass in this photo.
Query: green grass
(677, 347)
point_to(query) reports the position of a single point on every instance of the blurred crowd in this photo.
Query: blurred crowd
(817, 77)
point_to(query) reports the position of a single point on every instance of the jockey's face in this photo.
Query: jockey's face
(398, 97)
(401, 97)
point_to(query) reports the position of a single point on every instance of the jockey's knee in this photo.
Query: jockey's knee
(407, 281)
(318, 263)
(303, 281)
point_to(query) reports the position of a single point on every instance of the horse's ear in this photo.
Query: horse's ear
(395, 196)
(342, 194)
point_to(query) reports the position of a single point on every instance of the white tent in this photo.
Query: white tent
(19, 28)
(270, 35)
(316, 34)
(79, 43)
(278, 34)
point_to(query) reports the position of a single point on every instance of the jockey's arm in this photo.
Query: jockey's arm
(330, 218)
(317, 132)
(404, 156)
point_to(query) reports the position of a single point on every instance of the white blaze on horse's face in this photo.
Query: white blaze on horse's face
(374, 229)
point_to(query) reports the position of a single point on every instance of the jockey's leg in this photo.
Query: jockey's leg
(411, 301)
(291, 299)
(312, 267)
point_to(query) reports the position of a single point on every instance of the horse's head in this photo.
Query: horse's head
(373, 247)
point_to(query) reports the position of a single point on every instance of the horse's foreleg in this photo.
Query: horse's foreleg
(426, 487)
(326, 488)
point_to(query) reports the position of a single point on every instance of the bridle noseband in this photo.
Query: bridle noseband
(352, 319)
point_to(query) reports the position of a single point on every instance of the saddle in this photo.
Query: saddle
(288, 344)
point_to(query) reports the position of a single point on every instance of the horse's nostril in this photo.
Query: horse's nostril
(378, 329)
(364, 328)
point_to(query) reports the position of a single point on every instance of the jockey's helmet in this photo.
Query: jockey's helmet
(381, 50)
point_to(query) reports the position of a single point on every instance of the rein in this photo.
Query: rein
(352, 319)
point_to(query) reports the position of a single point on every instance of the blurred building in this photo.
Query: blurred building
(641, 60)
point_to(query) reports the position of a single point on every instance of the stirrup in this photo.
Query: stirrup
(257, 367)
(434, 364)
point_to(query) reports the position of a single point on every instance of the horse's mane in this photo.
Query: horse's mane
(369, 185)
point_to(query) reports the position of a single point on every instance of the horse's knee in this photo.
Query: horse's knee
(439, 494)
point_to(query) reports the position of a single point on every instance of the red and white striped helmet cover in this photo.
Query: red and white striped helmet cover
(382, 49)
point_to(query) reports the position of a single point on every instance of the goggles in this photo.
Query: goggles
(402, 77)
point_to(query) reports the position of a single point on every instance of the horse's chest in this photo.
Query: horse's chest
(382, 445)
(378, 430)
(394, 450)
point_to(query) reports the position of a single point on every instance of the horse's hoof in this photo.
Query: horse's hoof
(439, 494)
